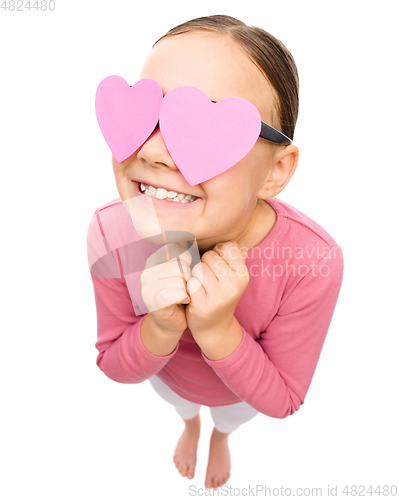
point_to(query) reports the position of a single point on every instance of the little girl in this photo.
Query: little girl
(242, 330)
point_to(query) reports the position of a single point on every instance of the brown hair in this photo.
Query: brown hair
(268, 54)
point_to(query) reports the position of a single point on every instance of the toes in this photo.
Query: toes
(219, 481)
(190, 471)
(216, 482)
(184, 469)
(209, 481)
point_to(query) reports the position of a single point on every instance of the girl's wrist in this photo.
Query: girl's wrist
(157, 341)
(217, 344)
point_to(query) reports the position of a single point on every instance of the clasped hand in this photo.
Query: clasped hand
(211, 289)
(215, 295)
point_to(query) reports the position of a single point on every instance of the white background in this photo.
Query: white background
(70, 432)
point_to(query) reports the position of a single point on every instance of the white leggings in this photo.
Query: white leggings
(226, 418)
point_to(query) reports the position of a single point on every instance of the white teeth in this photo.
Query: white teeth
(163, 194)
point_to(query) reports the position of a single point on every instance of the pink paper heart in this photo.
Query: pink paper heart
(203, 138)
(127, 115)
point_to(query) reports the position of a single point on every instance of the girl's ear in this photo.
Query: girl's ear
(281, 172)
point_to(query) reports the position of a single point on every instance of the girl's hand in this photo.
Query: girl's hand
(224, 279)
(163, 288)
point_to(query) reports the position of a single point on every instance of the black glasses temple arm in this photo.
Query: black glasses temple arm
(273, 135)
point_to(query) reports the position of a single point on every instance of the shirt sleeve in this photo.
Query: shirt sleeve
(273, 373)
(122, 355)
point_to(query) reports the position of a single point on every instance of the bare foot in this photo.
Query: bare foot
(219, 465)
(185, 457)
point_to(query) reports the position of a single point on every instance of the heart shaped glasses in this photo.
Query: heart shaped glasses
(203, 137)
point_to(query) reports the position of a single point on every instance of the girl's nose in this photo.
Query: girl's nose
(155, 153)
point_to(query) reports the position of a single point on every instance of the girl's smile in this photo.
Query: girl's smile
(163, 202)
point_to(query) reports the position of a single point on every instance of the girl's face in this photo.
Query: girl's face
(228, 206)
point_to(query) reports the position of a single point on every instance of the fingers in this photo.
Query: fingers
(198, 272)
(162, 293)
(193, 285)
(165, 277)
(187, 300)
(167, 297)
(231, 253)
(166, 270)
(227, 259)
(163, 284)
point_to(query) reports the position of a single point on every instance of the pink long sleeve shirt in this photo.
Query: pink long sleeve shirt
(285, 312)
